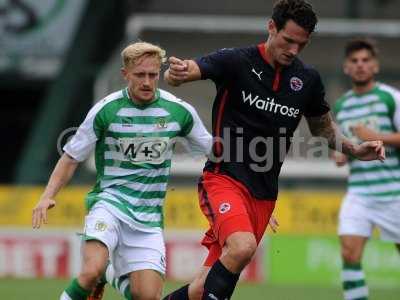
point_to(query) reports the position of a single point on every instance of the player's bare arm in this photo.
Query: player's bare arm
(61, 175)
(324, 126)
(366, 134)
(181, 71)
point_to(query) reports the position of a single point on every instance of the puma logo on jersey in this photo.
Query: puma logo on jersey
(258, 74)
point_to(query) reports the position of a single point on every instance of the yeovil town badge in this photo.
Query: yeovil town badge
(161, 123)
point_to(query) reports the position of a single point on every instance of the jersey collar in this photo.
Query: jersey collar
(262, 49)
(142, 106)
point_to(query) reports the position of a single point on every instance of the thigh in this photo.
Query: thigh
(94, 256)
(139, 250)
(102, 226)
(355, 217)
(146, 284)
(222, 201)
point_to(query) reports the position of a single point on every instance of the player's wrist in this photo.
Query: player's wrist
(46, 197)
(358, 151)
(350, 149)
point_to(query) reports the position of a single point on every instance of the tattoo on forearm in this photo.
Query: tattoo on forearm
(324, 126)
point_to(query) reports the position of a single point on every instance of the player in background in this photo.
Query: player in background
(369, 111)
(262, 93)
(133, 132)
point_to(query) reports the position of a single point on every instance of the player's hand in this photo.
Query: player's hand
(370, 151)
(364, 133)
(39, 214)
(178, 71)
(339, 158)
(273, 224)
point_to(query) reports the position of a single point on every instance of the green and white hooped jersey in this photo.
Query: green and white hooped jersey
(133, 148)
(379, 110)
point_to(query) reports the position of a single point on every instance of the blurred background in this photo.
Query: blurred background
(58, 57)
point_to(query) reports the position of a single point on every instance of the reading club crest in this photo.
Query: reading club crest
(224, 207)
(296, 84)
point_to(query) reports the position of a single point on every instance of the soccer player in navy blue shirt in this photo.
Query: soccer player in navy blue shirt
(262, 93)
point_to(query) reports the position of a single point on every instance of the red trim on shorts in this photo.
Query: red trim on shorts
(205, 201)
(217, 129)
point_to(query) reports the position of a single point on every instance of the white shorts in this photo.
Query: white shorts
(359, 215)
(130, 249)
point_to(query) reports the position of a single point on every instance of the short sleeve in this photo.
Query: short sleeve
(317, 105)
(218, 66)
(84, 141)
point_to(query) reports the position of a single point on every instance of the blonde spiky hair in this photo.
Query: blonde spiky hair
(133, 52)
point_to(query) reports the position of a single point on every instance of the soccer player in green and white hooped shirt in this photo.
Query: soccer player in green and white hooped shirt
(133, 132)
(369, 111)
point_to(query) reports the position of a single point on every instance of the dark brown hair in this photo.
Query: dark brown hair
(360, 44)
(299, 11)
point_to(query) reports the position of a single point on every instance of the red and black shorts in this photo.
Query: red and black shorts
(229, 208)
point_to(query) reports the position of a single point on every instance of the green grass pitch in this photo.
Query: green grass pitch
(46, 289)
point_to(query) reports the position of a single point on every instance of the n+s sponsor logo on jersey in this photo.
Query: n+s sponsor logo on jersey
(151, 150)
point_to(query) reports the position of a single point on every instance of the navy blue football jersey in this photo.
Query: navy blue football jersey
(256, 110)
